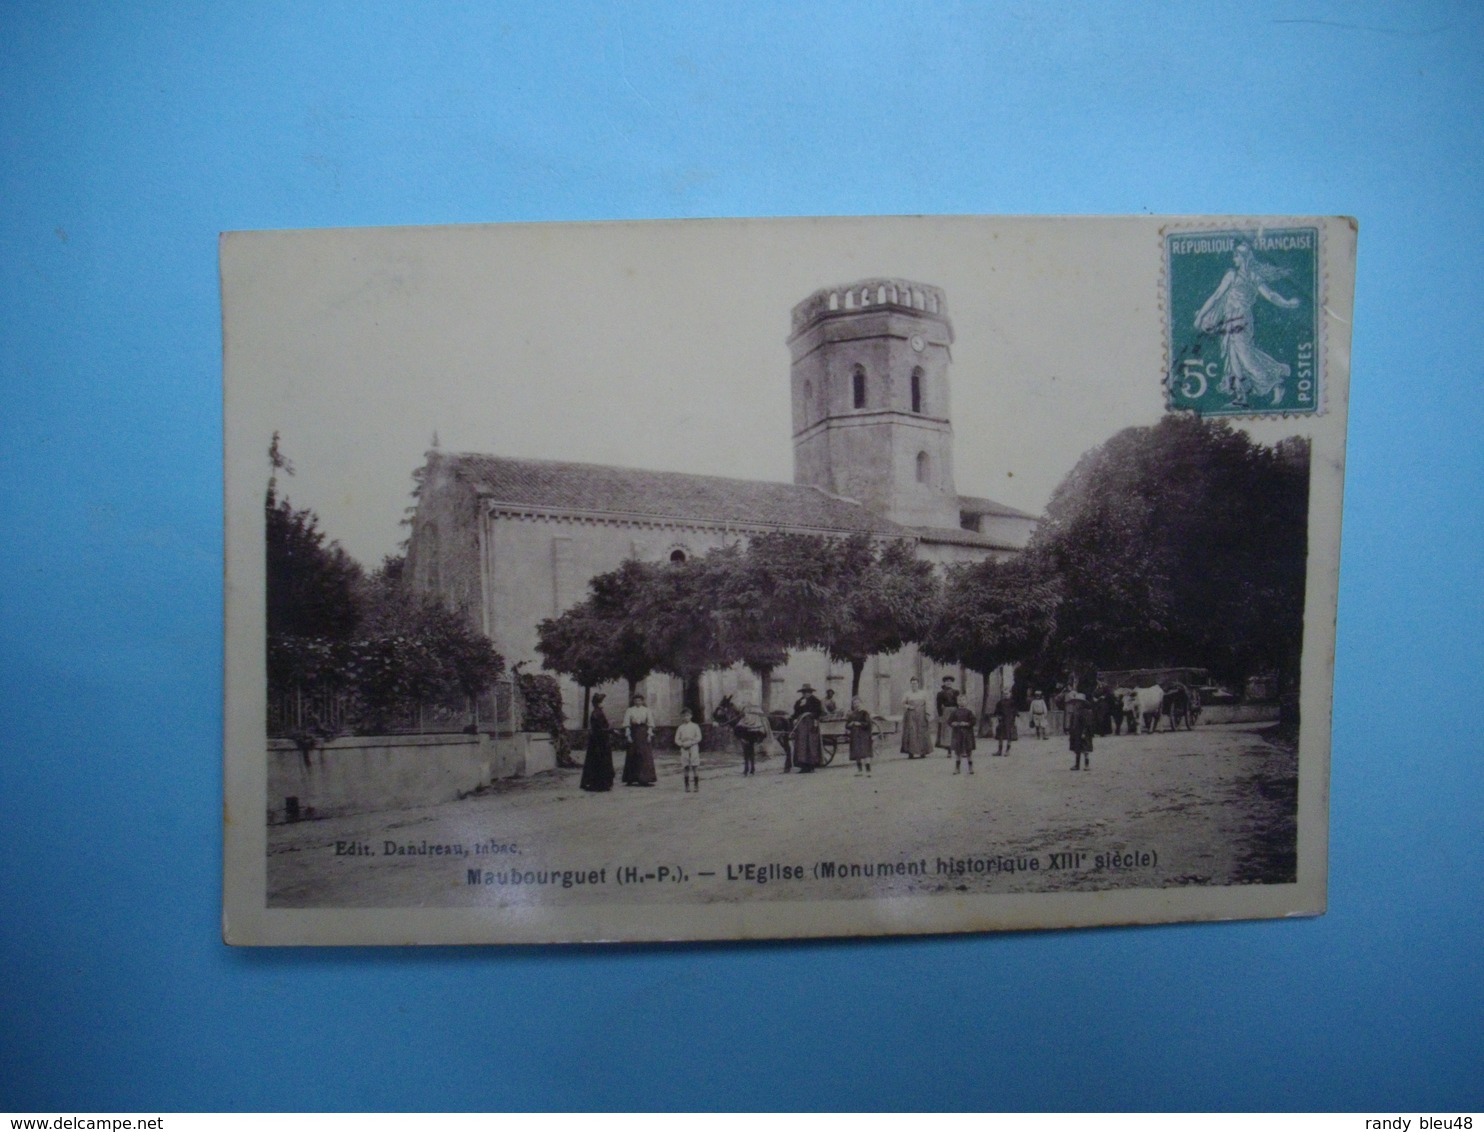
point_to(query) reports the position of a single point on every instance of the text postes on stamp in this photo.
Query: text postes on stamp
(1243, 321)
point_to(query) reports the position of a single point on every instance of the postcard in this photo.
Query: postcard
(763, 579)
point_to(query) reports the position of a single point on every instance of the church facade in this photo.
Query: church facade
(509, 542)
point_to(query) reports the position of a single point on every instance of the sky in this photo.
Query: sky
(662, 345)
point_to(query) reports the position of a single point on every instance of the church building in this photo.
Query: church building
(512, 541)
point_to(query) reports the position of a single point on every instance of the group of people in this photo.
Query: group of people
(956, 725)
(799, 735)
(637, 731)
(954, 722)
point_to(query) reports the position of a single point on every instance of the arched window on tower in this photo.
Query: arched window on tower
(917, 377)
(858, 386)
(924, 467)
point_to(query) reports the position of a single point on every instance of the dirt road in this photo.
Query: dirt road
(1213, 806)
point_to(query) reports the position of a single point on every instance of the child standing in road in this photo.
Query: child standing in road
(688, 739)
(961, 722)
(1005, 731)
(1038, 715)
(858, 724)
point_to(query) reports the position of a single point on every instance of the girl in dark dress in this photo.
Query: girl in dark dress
(1079, 731)
(860, 726)
(597, 766)
(961, 721)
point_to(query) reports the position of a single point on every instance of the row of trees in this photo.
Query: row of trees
(748, 606)
(367, 640)
(1182, 543)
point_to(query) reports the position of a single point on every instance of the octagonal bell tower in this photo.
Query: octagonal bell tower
(870, 398)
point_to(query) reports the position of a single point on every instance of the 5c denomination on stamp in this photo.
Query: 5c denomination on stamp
(1243, 321)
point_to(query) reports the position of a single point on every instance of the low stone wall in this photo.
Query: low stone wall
(1239, 713)
(363, 774)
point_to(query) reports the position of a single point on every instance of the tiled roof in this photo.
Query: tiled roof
(998, 539)
(980, 506)
(631, 492)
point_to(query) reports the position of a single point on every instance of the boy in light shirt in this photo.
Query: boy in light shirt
(688, 739)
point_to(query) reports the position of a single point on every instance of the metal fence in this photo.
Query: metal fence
(329, 712)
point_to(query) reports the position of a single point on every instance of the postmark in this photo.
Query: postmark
(1243, 308)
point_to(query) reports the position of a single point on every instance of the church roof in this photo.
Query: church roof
(634, 493)
(1002, 537)
(979, 506)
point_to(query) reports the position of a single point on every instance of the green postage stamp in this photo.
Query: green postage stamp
(1244, 321)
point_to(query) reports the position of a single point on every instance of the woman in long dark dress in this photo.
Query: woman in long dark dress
(808, 749)
(597, 766)
(638, 767)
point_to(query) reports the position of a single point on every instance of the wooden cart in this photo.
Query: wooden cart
(834, 735)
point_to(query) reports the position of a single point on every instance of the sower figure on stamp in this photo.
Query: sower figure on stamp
(808, 749)
(688, 739)
(1079, 731)
(858, 724)
(947, 701)
(961, 723)
(1228, 313)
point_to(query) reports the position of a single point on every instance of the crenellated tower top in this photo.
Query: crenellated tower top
(870, 398)
(919, 298)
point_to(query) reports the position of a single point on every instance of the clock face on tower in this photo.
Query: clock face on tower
(917, 342)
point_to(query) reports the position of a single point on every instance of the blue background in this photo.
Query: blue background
(134, 133)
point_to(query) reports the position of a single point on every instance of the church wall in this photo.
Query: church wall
(443, 551)
(538, 567)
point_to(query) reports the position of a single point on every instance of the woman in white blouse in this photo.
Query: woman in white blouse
(638, 766)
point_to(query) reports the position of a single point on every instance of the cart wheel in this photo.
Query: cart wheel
(827, 752)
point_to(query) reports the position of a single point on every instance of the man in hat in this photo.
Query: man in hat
(808, 750)
(947, 701)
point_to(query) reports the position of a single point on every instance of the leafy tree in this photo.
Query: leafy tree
(423, 650)
(773, 597)
(311, 584)
(879, 601)
(677, 610)
(332, 630)
(1181, 543)
(604, 637)
(574, 644)
(993, 613)
(541, 697)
